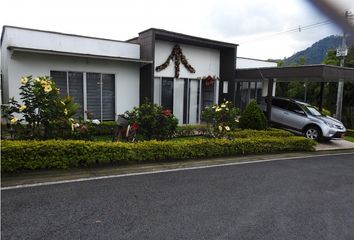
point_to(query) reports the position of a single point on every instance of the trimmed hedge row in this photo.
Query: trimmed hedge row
(350, 132)
(21, 155)
(249, 133)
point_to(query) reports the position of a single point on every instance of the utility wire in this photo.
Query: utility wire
(296, 29)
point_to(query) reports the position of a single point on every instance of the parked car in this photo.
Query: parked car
(303, 118)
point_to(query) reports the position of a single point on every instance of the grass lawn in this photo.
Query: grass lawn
(349, 138)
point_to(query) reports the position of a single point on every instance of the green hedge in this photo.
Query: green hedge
(29, 155)
(350, 133)
(249, 133)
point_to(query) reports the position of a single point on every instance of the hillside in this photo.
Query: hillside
(316, 53)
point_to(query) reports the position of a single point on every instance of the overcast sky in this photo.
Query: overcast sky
(254, 24)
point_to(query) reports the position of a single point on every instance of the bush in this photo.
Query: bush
(154, 122)
(350, 133)
(249, 133)
(222, 119)
(43, 111)
(253, 117)
(192, 130)
(29, 155)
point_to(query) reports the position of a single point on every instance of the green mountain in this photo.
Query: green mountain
(316, 53)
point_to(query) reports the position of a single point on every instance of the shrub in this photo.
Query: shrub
(253, 117)
(250, 133)
(154, 122)
(222, 119)
(21, 155)
(350, 132)
(192, 130)
(43, 111)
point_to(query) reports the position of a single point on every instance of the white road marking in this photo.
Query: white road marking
(164, 171)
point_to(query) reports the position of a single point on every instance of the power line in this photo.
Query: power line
(295, 29)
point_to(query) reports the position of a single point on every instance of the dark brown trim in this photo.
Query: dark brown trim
(318, 73)
(165, 35)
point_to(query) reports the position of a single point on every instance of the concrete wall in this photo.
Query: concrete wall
(35, 64)
(205, 61)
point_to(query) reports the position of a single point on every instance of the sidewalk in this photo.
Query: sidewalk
(335, 145)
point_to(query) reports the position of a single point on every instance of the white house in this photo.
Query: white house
(107, 77)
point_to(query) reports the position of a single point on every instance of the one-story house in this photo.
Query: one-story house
(107, 77)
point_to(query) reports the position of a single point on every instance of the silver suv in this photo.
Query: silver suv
(304, 118)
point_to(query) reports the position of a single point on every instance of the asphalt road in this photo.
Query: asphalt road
(310, 198)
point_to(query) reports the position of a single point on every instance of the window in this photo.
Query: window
(100, 95)
(280, 103)
(71, 84)
(295, 108)
(167, 93)
(97, 97)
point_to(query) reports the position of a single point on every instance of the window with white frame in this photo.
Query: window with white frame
(94, 92)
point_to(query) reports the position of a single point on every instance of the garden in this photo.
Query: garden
(42, 132)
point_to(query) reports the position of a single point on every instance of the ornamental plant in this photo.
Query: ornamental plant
(253, 117)
(221, 118)
(152, 121)
(42, 111)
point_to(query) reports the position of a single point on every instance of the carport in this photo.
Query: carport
(310, 73)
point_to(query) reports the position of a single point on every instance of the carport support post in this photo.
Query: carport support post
(320, 103)
(269, 98)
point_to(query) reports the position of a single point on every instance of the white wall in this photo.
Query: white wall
(205, 61)
(242, 63)
(253, 63)
(34, 39)
(126, 73)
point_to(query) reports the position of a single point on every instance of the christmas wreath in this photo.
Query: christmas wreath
(209, 80)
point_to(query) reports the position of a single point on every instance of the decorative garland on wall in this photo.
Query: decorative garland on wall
(178, 57)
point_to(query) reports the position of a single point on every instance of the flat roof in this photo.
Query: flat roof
(318, 72)
(53, 32)
(161, 34)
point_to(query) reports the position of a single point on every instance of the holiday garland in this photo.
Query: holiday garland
(178, 57)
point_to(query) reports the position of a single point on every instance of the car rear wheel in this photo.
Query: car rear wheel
(313, 132)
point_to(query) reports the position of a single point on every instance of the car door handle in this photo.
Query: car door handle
(285, 113)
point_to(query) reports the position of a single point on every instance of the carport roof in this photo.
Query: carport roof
(319, 73)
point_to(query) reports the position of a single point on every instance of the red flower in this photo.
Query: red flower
(135, 126)
(167, 112)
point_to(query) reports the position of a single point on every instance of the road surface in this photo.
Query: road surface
(310, 198)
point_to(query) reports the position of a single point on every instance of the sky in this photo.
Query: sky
(271, 29)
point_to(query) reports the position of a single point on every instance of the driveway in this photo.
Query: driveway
(303, 198)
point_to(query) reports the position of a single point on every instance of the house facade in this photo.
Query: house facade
(102, 75)
(107, 77)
